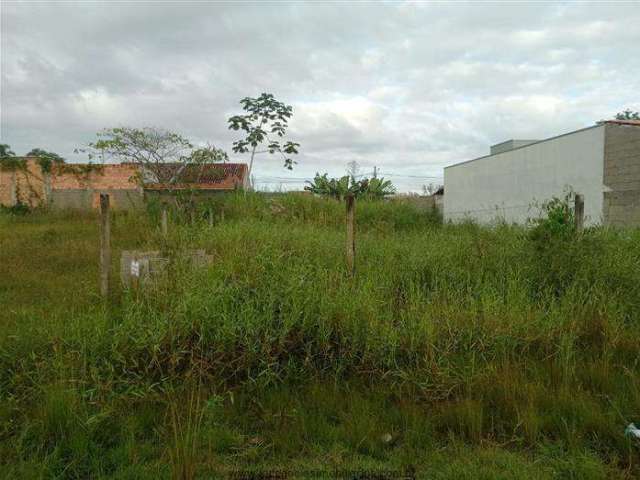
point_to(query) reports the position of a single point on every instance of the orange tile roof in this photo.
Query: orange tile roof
(219, 176)
(624, 122)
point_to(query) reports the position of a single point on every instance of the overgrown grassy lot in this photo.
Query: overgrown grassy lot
(455, 352)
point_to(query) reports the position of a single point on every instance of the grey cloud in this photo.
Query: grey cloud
(407, 87)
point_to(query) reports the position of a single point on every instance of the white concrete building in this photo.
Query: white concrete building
(600, 162)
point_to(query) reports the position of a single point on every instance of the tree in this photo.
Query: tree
(5, 151)
(353, 168)
(628, 115)
(8, 159)
(431, 188)
(162, 156)
(265, 116)
(373, 188)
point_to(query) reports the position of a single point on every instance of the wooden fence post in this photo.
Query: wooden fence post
(164, 221)
(105, 245)
(579, 212)
(351, 234)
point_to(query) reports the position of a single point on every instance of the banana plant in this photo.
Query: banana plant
(349, 189)
(373, 188)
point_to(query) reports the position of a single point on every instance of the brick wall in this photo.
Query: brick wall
(7, 188)
(82, 190)
(62, 189)
(25, 186)
(622, 175)
(109, 177)
(30, 185)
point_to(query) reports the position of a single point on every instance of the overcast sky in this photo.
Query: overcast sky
(407, 87)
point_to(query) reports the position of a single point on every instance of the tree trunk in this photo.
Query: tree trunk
(253, 154)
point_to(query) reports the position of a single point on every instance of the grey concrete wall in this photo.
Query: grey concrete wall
(621, 205)
(509, 145)
(422, 202)
(85, 199)
(509, 186)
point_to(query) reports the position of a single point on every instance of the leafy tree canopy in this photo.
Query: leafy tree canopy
(265, 118)
(5, 151)
(628, 115)
(163, 156)
(38, 152)
(373, 188)
(8, 160)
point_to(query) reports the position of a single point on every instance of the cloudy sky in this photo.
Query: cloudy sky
(407, 87)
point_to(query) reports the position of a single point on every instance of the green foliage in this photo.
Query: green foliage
(557, 220)
(18, 209)
(554, 244)
(46, 160)
(5, 151)
(8, 164)
(163, 156)
(628, 115)
(8, 160)
(374, 188)
(264, 116)
(449, 354)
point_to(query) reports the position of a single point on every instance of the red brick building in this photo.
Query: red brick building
(78, 186)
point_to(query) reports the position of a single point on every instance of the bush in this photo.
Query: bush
(18, 209)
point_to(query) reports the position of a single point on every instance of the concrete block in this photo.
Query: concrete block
(145, 265)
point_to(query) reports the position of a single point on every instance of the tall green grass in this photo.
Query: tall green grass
(512, 345)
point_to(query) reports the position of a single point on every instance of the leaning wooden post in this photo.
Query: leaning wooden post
(351, 234)
(578, 212)
(105, 245)
(164, 221)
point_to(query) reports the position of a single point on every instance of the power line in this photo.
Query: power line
(427, 177)
(375, 174)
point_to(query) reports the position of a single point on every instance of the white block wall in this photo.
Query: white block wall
(509, 185)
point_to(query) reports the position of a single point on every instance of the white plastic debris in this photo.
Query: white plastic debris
(135, 268)
(386, 438)
(632, 431)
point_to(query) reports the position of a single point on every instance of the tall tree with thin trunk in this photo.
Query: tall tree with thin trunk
(265, 121)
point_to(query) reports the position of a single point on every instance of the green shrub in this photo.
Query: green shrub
(17, 209)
